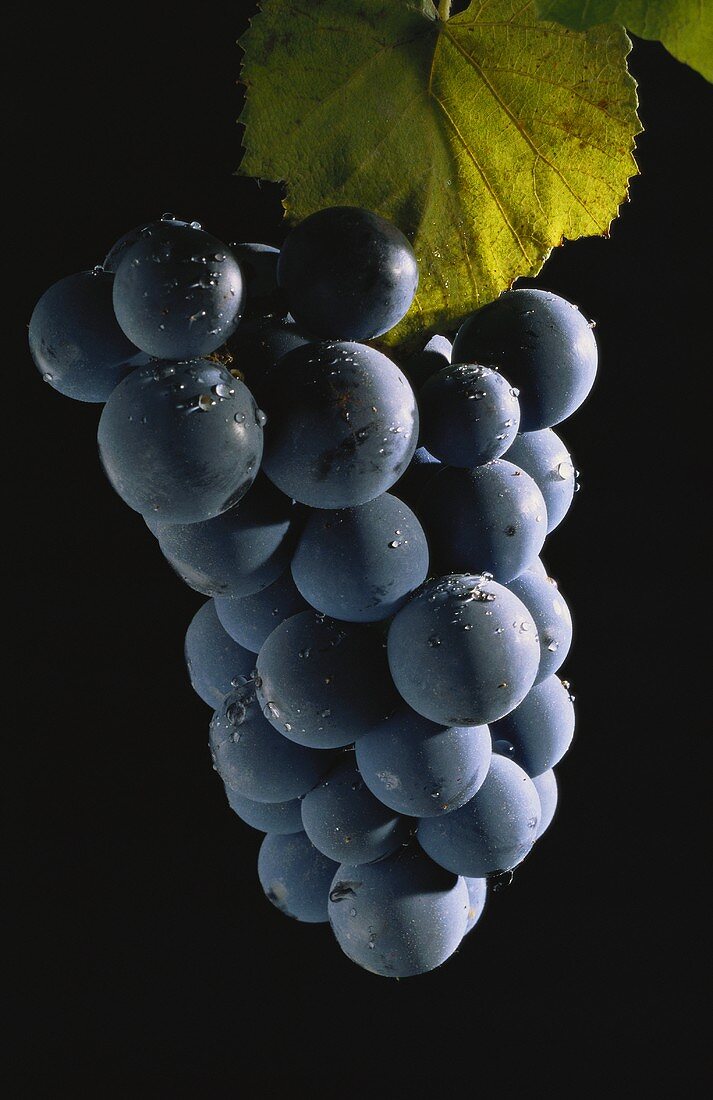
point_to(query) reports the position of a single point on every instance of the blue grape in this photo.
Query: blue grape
(422, 467)
(258, 263)
(546, 787)
(545, 458)
(258, 345)
(538, 569)
(540, 729)
(420, 769)
(268, 817)
(250, 619)
(344, 820)
(551, 617)
(463, 651)
(400, 916)
(75, 342)
(488, 519)
(342, 424)
(477, 891)
(295, 877)
(119, 249)
(254, 759)
(493, 832)
(361, 564)
(182, 441)
(469, 415)
(178, 291)
(348, 274)
(323, 683)
(435, 356)
(239, 552)
(542, 344)
(216, 664)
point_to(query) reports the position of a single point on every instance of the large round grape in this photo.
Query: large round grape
(258, 263)
(545, 458)
(182, 441)
(295, 877)
(469, 415)
(216, 664)
(178, 291)
(254, 759)
(551, 616)
(400, 916)
(342, 424)
(239, 552)
(345, 821)
(75, 341)
(435, 355)
(489, 519)
(493, 832)
(542, 344)
(546, 787)
(540, 729)
(269, 817)
(463, 651)
(477, 892)
(250, 619)
(324, 683)
(348, 274)
(361, 564)
(421, 769)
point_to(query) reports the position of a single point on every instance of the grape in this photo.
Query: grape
(538, 569)
(258, 345)
(542, 344)
(119, 249)
(216, 664)
(469, 415)
(420, 769)
(551, 617)
(178, 291)
(75, 342)
(342, 424)
(239, 552)
(416, 477)
(400, 916)
(347, 273)
(254, 759)
(295, 877)
(435, 356)
(540, 729)
(477, 890)
(360, 564)
(258, 263)
(344, 820)
(323, 683)
(493, 832)
(491, 518)
(546, 787)
(463, 651)
(181, 440)
(250, 619)
(545, 458)
(268, 817)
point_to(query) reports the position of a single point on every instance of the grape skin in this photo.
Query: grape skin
(545, 458)
(463, 651)
(469, 415)
(400, 916)
(258, 263)
(361, 564)
(295, 877)
(551, 616)
(75, 341)
(540, 729)
(477, 892)
(435, 355)
(268, 817)
(250, 619)
(213, 659)
(546, 787)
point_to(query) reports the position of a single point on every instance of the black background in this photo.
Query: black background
(146, 960)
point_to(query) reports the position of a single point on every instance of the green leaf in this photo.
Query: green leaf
(488, 138)
(684, 26)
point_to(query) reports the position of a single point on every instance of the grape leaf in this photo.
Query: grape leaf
(488, 138)
(684, 26)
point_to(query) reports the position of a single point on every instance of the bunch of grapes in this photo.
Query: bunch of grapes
(381, 641)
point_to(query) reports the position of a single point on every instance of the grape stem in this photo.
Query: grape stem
(444, 10)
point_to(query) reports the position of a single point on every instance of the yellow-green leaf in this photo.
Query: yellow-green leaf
(488, 138)
(684, 26)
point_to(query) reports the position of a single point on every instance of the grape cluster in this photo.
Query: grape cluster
(381, 641)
